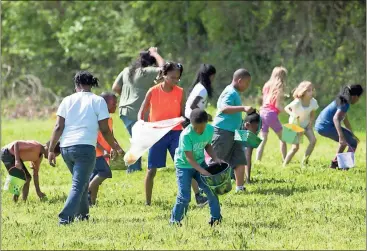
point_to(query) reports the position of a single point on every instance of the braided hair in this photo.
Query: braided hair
(85, 78)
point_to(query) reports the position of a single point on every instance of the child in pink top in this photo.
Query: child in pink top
(273, 92)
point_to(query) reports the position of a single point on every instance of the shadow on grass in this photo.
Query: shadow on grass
(271, 224)
(286, 191)
(267, 180)
(56, 199)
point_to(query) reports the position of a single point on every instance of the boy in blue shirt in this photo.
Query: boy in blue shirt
(189, 163)
(227, 120)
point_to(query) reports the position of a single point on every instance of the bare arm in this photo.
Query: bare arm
(144, 106)
(209, 149)
(288, 109)
(35, 165)
(183, 104)
(312, 118)
(116, 88)
(347, 123)
(194, 164)
(107, 134)
(234, 109)
(56, 134)
(17, 156)
(117, 85)
(158, 58)
(195, 103)
(279, 102)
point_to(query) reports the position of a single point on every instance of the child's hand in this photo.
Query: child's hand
(248, 109)
(204, 172)
(153, 50)
(18, 165)
(52, 159)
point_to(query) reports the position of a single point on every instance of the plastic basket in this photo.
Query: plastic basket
(292, 134)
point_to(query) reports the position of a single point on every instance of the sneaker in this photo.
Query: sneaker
(241, 190)
(214, 222)
(201, 200)
(334, 164)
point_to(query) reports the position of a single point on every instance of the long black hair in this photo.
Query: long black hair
(144, 60)
(202, 76)
(85, 78)
(169, 66)
(346, 93)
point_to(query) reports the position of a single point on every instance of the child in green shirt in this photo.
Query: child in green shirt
(189, 163)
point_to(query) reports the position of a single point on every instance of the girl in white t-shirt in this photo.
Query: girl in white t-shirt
(302, 111)
(200, 91)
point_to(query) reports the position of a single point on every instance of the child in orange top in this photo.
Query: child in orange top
(102, 169)
(13, 155)
(164, 101)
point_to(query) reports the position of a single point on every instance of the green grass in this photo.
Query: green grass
(285, 208)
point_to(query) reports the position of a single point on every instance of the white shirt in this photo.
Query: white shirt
(82, 111)
(303, 112)
(198, 91)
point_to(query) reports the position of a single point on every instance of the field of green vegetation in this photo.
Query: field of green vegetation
(284, 208)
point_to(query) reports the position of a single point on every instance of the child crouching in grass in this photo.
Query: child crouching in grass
(189, 163)
(14, 154)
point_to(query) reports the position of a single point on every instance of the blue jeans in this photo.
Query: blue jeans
(129, 125)
(80, 159)
(184, 177)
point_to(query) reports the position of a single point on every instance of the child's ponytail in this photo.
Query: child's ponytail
(346, 93)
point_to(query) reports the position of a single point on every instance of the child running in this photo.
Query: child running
(302, 111)
(104, 152)
(251, 123)
(227, 120)
(163, 101)
(189, 163)
(273, 95)
(328, 123)
(14, 154)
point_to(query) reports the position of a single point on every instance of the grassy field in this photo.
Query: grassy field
(284, 208)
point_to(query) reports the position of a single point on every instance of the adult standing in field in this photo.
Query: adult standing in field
(132, 84)
(79, 117)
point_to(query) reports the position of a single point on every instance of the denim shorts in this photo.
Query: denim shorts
(9, 161)
(101, 168)
(332, 133)
(158, 152)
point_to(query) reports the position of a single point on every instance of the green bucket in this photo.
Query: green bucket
(292, 134)
(118, 163)
(220, 180)
(13, 184)
(248, 137)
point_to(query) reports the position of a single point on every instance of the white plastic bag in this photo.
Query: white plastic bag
(345, 160)
(145, 135)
